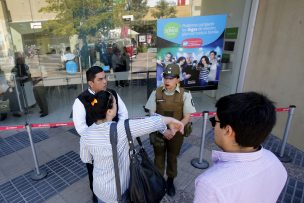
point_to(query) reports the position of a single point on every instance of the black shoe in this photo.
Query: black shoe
(170, 187)
(40, 111)
(17, 114)
(94, 198)
(43, 115)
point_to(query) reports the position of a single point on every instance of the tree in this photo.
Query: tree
(164, 10)
(137, 8)
(83, 17)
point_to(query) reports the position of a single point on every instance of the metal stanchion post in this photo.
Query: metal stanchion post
(81, 73)
(17, 93)
(148, 85)
(199, 162)
(283, 157)
(37, 174)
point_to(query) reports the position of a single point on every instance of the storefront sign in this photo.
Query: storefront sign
(142, 38)
(152, 50)
(36, 25)
(231, 33)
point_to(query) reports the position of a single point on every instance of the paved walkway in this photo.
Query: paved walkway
(67, 182)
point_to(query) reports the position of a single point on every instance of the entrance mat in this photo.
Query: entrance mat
(19, 141)
(62, 172)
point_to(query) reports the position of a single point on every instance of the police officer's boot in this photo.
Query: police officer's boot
(170, 187)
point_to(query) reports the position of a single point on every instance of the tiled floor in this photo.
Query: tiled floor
(19, 141)
(61, 173)
(58, 148)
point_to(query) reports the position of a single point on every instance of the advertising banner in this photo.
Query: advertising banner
(196, 45)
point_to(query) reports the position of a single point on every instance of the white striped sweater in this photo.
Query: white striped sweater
(95, 145)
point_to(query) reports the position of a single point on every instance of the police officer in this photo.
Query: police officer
(97, 81)
(169, 100)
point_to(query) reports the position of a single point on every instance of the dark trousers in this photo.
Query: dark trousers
(169, 150)
(39, 93)
(90, 168)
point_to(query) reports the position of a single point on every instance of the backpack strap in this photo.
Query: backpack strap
(113, 140)
(130, 139)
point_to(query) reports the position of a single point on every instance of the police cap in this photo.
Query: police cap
(171, 71)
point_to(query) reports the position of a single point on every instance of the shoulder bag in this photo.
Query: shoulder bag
(147, 185)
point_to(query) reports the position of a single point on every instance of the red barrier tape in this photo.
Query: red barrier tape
(282, 109)
(68, 124)
(12, 127)
(49, 125)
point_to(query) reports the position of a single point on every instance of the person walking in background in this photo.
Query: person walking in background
(97, 81)
(69, 61)
(125, 60)
(84, 56)
(22, 75)
(117, 65)
(95, 144)
(169, 100)
(243, 171)
(68, 55)
(203, 67)
(101, 47)
(40, 96)
(3, 91)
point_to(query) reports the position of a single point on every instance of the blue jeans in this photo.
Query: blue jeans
(203, 82)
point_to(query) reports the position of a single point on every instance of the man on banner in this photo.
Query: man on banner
(161, 65)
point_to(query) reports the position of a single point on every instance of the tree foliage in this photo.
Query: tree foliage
(137, 8)
(83, 17)
(164, 10)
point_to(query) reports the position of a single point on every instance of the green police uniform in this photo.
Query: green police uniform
(169, 106)
(174, 104)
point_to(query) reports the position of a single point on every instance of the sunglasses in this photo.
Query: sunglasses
(213, 121)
